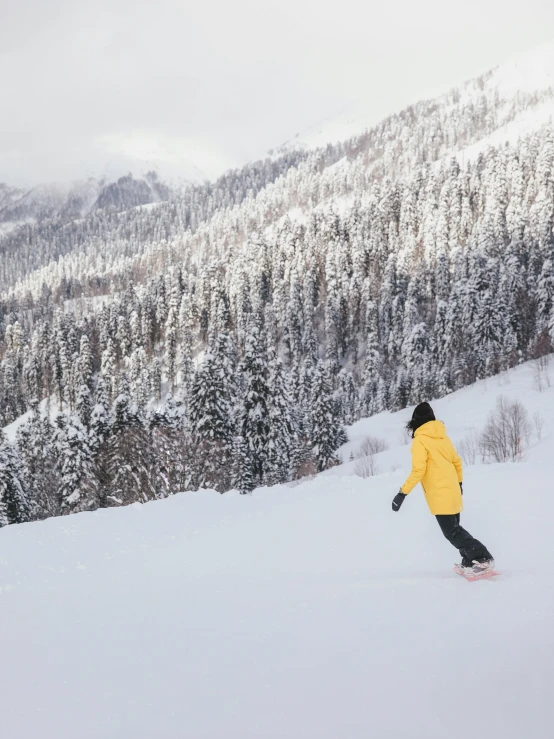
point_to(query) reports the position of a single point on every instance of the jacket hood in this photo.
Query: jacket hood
(433, 429)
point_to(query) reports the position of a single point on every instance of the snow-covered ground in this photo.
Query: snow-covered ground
(301, 611)
(465, 412)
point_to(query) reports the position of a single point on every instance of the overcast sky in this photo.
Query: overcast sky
(86, 86)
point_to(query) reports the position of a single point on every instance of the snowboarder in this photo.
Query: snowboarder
(438, 467)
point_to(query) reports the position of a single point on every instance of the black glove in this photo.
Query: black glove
(398, 500)
(462, 488)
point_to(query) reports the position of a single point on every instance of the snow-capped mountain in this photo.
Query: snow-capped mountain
(49, 200)
(77, 199)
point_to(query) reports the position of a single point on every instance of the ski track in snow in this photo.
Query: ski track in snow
(308, 611)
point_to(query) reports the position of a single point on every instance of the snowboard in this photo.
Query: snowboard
(477, 576)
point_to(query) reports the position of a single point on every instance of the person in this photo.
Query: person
(436, 464)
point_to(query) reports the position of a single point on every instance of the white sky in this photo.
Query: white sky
(89, 87)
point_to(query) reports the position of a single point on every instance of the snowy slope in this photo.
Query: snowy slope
(463, 412)
(531, 73)
(307, 611)
(352, 120)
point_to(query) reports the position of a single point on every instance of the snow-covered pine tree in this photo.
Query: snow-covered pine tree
(83, 405)
(84, 370)
(155, 379)
(372, 362)
(325, 424)
(489, 324)
(347, 398)
(109, 368)
(130, 466)
(35, 450)
(139, 377)
(77, 490)
(186, 366)
(211, 416)
(124, 334)
(63, 365)
(254, 418)
(284, 453)
(243, 479)
(99, 439)
(171, 448)
(545, 296)
(171, 332)
(14, 506)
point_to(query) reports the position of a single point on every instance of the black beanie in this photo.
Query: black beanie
(423, 413)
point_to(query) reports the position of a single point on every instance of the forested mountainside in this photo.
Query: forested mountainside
(223, 337)
(111, 229)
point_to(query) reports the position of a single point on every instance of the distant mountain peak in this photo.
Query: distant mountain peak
(77, 199)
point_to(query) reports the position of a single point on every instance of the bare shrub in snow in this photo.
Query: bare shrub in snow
(470, 447)
(366, 466)
(541, 376)
(507, 431)
(372, 445)
(538, 423)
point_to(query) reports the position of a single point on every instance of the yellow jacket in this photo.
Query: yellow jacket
(437, 466)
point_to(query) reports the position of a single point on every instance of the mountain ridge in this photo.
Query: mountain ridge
(78, 198)
(528, 73)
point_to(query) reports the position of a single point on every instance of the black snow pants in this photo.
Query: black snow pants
(468, 547)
